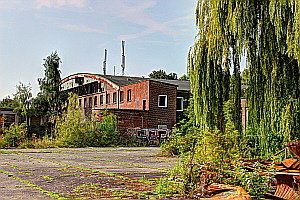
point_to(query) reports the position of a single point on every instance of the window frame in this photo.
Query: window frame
(107, 98)
(121, 99)
(101, 99)
(129, 95)
(181, 103)
(114, 98)
(166, 101)
(95, 101)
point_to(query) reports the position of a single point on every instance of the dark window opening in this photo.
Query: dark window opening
(121, 96)
(114, 97)
(179, 103)
(101, 100)
(95, 101)
(84, 103)
(90, 102)
(162, 101)
(144, 104)
(129, 95)
(79, 103)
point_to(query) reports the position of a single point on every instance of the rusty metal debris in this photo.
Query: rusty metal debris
(288, 174)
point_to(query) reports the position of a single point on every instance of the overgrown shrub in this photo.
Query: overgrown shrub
(2, 142)
(74, 129)
(14, 135)
(211, 157)
(42, 143)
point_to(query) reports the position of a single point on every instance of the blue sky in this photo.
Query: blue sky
(158, 34)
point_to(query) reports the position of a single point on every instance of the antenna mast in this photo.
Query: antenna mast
(123, 57)
(104, 62)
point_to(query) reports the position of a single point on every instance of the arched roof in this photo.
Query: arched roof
(96, 77)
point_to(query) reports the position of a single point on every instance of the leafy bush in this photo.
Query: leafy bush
(15, 135)
(76, 130)
(43, 143)
(211, 157)
(179, 144)
(2, 142)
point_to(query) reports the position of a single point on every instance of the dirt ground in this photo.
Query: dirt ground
(83, 173)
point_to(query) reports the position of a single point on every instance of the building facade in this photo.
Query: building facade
(7, 117)
(137, 101)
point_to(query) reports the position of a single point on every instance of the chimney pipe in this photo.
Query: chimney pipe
(104, 62)
(123, 58)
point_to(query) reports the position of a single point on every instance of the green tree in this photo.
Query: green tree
(161, 74)
(22, 99)
(245, 77)
(50, 98)
(7, 102)
(269, 31)
(172, 76)
(184, 77)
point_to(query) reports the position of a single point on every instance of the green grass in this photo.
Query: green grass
(7, 152)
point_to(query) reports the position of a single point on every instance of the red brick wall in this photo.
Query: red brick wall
(160, 115)
(128, 118)
(135, 116)
(139, 92)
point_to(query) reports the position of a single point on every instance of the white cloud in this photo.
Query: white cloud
(81, 28)
(59, 3)
(135, 12)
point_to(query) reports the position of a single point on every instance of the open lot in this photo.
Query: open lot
(81, 172)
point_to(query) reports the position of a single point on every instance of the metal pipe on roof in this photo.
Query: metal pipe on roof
(104, 62)
(123, 58)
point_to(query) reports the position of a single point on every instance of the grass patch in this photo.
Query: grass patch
(7, 152)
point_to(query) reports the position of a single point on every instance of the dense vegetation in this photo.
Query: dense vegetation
(72, 129)
(211, 140)
(63, 124)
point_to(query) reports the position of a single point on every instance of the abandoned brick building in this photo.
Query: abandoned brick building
(137, 101)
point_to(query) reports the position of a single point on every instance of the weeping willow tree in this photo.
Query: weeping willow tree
(267, 33)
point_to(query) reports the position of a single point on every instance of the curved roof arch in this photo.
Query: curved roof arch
(97, 77)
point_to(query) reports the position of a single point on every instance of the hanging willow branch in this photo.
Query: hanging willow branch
(268, 31)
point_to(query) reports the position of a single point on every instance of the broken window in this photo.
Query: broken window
(121, 96)
(114, 97)
(162, 101)
(179, 103)
(95, 101)
(107, 98)
(128, 95)
(101, 99)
